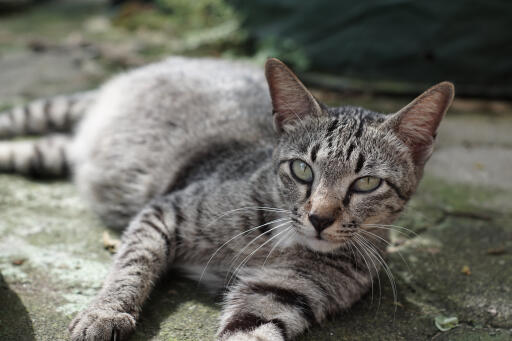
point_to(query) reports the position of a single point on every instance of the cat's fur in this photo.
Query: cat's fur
(183, 154)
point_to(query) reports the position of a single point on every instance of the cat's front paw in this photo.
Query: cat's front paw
(101, 324)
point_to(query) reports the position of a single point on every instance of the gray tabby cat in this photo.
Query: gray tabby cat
(293, 220)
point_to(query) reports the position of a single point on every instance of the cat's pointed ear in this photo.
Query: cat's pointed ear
(290, 98)
(416, 124)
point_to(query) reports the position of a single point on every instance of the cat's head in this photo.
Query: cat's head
(344, 170)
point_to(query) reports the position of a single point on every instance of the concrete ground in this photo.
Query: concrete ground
(53, 259)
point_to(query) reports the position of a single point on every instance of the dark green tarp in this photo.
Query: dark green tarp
(468, 42)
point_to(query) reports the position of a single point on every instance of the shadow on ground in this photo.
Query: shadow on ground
(15, 322)
(174, 307)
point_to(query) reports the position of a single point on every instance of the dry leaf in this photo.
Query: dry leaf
(466, 270)
(496, 250)
(18, 261)
(110, 244)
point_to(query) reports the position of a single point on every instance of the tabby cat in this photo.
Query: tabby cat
(281, 199)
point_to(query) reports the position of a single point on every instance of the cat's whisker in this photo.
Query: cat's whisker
(377, 269)
(376, 273)
(387, 227)
(230, 240)
(253, 240)
(396, 228)
(368, 267)
(290, 230)
(246, 259)
(371, 248)
(388, 244)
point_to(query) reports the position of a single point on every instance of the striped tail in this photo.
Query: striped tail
(58, 114)
(46, 157)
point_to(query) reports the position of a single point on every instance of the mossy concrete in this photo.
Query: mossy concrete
(52, 258)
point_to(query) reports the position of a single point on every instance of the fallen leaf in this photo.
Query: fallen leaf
(444, 323)
(18, 261)
(110, 244)
(496, 250)
(466, 270)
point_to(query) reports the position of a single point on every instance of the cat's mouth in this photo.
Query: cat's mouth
(323, 243)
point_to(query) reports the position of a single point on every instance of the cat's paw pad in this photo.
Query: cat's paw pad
(101, 325)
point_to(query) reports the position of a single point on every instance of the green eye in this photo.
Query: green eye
(366, 184)
(301, 171)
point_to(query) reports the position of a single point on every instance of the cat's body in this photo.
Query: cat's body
(184, 112)
(183, 153)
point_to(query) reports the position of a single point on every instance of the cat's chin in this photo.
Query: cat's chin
(320, 245)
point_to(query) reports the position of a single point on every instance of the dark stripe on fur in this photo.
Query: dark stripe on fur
(50, 124)
(67, 115)
(26, 123)
(11, 165)
(331, 128)
(64, 164)
(281, 326)
(128, 251)
(338, 266)
(180, 217)
(349, 151)
(346, 200)
(314, 151)
(395, 188)
(242, 323)
(360, 163)
(36, 162)
(164, 235)
(139, 260)
(311, 277)
(308, 192)
(359, 131)
(288, 297)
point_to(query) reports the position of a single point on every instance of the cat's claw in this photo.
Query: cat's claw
(101, 325)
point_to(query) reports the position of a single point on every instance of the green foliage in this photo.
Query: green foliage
(199, 27)
(197, 14)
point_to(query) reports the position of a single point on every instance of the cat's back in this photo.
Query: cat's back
(192, 90)
(147, 123)
(179, 97)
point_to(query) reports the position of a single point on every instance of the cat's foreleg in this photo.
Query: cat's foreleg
(148, 248)
(278, 304)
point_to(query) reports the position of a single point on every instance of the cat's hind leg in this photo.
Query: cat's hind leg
(45, 157)
(148, 249)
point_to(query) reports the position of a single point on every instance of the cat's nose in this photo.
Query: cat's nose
(320, 223)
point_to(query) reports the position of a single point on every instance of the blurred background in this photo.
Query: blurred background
(453, 272)
(392, 47)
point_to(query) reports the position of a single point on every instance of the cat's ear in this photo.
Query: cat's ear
(290, 98)
(416, 124)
